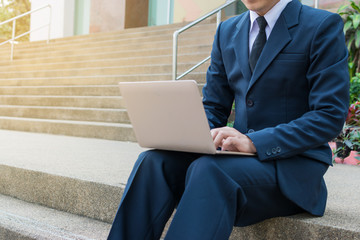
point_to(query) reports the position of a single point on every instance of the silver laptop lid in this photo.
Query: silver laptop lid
(168, 115)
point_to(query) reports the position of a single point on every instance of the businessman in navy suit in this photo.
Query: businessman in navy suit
(289, 103)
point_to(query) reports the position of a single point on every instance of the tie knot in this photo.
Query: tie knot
(262, 23)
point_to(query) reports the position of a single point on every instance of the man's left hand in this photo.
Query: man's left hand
(230, 139)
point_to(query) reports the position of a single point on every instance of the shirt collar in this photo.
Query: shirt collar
(271, 16)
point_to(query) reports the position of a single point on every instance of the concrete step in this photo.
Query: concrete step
(18, 54)
(63, 101)
(144, 60)
(114, 70)
(124, 34)
(118, 40)
(142, 31)
(24, 221)
(81, 90)
(66, 113)
(55, 89)
(108, 55)
(78, 175)
(96, 80)
(101, 130)
(114, 35)
(73, 90)
(86, 177)
(106, 46)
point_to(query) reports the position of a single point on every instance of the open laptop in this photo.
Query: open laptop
(169, 115)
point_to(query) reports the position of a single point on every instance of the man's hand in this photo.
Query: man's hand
(229, 139)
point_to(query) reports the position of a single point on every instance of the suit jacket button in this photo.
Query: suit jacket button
(251, 130)
(278, 149)
(250, 102)
(268, 152)
(274, 151)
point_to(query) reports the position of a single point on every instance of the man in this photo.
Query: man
(285, 66)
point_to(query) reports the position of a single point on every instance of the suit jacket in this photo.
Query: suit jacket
(295, 101)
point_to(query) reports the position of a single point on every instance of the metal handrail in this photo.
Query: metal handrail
(13, 38)
(177, 32)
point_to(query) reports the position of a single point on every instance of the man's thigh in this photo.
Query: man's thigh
(258, 183)
(245, 170)
(171, 162)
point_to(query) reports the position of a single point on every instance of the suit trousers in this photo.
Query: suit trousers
(211, 194)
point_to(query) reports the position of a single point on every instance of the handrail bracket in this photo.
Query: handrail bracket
(178, 32)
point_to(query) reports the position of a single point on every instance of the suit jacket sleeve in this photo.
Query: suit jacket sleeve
(218, 97)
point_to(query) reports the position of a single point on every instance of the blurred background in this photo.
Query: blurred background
(78, 17)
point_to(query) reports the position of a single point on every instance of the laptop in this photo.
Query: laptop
(169, 115)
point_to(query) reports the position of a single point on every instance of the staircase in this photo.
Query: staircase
(65, 137)
(69, 87)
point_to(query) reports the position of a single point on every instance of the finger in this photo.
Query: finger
(239, 144)
(230, 144)
(218, 140)
(214, 132)
(221, 134)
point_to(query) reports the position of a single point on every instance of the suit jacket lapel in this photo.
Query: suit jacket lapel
(278, 39)
(241, 45)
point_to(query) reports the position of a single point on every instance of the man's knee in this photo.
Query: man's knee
(202, 169)
(171, 164)
(206, 180)
(150, 159)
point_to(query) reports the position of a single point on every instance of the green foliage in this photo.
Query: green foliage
(348, 140)
(351, 16)
(231, 119)
(353, 116)
(355, 88)
(12, 9)
(230, 124)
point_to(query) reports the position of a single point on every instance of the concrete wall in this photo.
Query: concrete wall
(159, 12)
(82, 17)
(136, 13)
(330, 5)
(62, 20)
(71, 17)
(112, 15)
(188, 10)
(107, 15)
(90, 16)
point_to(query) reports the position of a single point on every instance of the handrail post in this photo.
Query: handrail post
(13, 40)
(174, 60)
(218, 18)
(168, 11)
(177, 32)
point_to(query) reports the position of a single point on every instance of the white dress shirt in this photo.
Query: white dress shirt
(271, 17)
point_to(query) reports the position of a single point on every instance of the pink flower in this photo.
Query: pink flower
(353, 117)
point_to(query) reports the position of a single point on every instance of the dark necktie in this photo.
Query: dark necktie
(258, 44)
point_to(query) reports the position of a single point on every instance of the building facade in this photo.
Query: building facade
(77, 17)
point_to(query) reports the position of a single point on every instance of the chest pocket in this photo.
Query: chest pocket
(296, 57)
